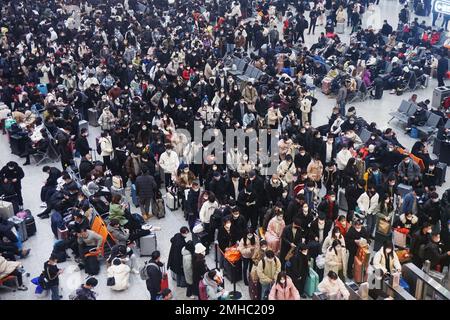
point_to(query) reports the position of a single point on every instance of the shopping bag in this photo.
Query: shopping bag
(384, 227)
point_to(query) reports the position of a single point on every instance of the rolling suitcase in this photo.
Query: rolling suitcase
(147, 245)
(359, 271)
(171, 201)
(92, 266)
(379, 87)
(342, 200)
(134, 196)
(30, 224)
(82, 124)
(93, 117)
(6, 210)
(403, 189)
(312, 282)
(326, 85)
(441, 171)
(439, 94)
(340, 27)
(20, 226)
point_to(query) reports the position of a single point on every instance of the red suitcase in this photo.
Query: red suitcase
(326, 85)
(359, 271)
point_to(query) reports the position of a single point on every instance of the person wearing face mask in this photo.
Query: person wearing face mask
(430, 175)
(431, 210)
(435, 254)
(298, 268)
(293, 235)
(214, 285)
(247, 205)
(386, 259)
(248, 245)
(418, 242)
(218, 186)
(336, 259)
(315, 170)
(82, 143)
(334, 287)
(302, 159)
(331, 177)
(169, 162)
(408, 171)
(267, 270)
(367, 205)
(284, 289)
(329, 207)
(206, 211)
(274, 231)
(199, 267)
(407, 220)
(235, 185)
(274, 188)
(11, 176)
(317, 233)
(352, 240)
(175, 260)
(224, 238)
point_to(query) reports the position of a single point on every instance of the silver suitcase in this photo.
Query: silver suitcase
(82, 124)
(6, 210)
(171, 201)
(340, 26)
(147, 245)
(404, 189)
(20, 226)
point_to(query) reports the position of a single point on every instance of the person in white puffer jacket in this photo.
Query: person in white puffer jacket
(169, 162)
(121, 274)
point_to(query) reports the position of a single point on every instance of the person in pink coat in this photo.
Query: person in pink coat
(284, 289)
(274, 231)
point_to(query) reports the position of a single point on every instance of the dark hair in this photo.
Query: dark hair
(184, 230)
(45, 169)
(270, 254)
(334, 245)
(332, 275)
(212, 274)
(165, 292)
(114, 222)
(252, 240)
(156, 254)
(92, 282)
(281, 274)
(116, 198)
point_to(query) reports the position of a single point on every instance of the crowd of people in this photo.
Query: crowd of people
(142, 70)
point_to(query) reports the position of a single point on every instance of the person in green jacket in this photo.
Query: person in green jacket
(117, 210)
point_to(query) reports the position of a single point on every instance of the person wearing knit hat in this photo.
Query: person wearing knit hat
(200, 249)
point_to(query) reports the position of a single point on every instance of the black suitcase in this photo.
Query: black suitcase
(92, 266)
(441, 171)
(17, 144)
(379, 88)
(232, 275)
(30, 225)
(93, 117)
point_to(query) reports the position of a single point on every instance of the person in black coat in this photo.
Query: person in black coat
(218, 186)
(238, 225)
(155, 275)
(352, 237)
(199, 268)
(299, 268)
(86, 166)
(419, 240)
(51, 273)
(302, 159)
(329, 206)
(430, 175)
(431, 210)
(82, 143)
(294, 208)
(12, 174)
(256, 182)
(435, 253)
(442, 68)
(352, 192)
(317, 233)
(234, 180)
(224, 237)
(292, 236)
(274, 189)
(175, 261)
(192, 204)
(248, 206)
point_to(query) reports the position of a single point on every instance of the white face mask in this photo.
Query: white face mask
(358, 229)
(249, 236)
(388, 251)
(337, 234)
(282, 281)
(285, 194)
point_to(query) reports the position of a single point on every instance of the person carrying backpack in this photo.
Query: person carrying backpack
(86, 291)
(153, 275)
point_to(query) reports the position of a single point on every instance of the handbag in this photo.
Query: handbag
(384, 227)
(290, 254)
(111, 281)
(164, 280)
(320, 261)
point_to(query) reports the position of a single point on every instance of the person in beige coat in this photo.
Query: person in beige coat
(315, 170)
(273, 117)
(335, 259)
(286, 170)
(379, 260)
(121, 274)
(8, 268)
(268, 269)
(248, 245)
(334, 287)
(305, 108)
(340, 15)
(250, 95)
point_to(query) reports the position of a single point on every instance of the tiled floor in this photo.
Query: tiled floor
(41, 244)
